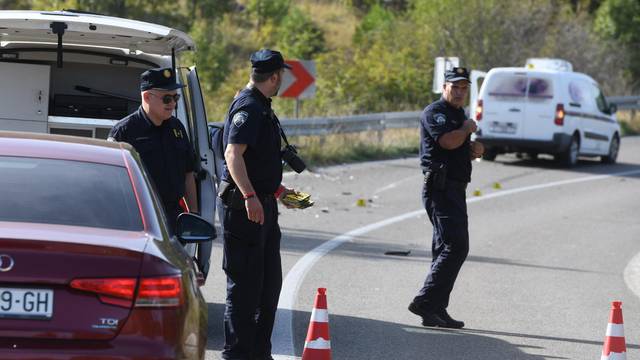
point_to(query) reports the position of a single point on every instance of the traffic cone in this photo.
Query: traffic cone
(317, 345)
(614, 344)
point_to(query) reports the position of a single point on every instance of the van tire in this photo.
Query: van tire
(614, 147)
(489, 155)
(569, 157)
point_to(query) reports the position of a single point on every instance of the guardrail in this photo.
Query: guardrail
(316, 126)
(349, 124)
(625, 102)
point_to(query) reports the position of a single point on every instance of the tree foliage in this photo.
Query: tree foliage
(299, 37)
(379, 57)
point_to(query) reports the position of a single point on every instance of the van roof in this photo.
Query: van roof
(524, 70)
(92, 30)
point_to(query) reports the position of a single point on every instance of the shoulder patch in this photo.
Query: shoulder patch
(440, 119)
(240, 118)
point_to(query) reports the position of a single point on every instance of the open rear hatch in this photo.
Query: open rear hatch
(66, 282)
(92, 30)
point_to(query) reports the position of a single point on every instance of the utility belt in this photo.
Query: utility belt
(436, 178)
(232, 197)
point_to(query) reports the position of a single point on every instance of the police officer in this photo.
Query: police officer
(162, 142)
(253, 171)
(446, 152)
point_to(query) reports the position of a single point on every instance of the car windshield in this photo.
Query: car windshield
(64, 192)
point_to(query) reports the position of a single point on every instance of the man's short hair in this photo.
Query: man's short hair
(258, 77)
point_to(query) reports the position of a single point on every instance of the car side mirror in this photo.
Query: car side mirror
(613, 108)
(192, 228)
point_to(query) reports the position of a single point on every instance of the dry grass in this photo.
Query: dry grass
(372, 145)
(336, 20)
(629, 122)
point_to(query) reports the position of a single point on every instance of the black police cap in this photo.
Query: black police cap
(456, 74)
(160, 78)
(266, 61)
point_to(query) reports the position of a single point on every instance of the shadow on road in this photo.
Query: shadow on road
(356, 338)
(298, 240)
(584, 165)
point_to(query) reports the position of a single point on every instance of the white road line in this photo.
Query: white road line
(394, 185)
(283, 330)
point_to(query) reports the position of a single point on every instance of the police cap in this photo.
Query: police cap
(266, 61)
(160, 78)
(456, 74)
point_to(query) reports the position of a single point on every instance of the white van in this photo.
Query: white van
(532, 110)
(74, 73)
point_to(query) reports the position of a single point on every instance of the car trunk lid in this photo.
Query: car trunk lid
(39, 262)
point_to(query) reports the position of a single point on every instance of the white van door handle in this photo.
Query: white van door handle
(514, 110)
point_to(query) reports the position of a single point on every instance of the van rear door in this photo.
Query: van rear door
(92, 30)
(539, 118)
(504, 105)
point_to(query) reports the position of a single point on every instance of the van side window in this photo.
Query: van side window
(540, 88)
(508, 85)
(575, 92)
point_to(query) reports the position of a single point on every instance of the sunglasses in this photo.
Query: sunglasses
(167, 99)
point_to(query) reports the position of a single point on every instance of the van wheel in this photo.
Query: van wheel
(489, 155)
(614, 147)
(570, 157)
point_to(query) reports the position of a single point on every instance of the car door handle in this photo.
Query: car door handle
(514, 110)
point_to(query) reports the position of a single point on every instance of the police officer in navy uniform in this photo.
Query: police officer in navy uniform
(253, 167)
(162, 142)
(446, 152)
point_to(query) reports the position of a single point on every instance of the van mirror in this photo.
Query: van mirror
(613, 108)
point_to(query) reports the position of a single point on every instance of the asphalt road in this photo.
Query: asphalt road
(548, 254)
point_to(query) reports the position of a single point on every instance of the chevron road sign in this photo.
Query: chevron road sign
(300, 81)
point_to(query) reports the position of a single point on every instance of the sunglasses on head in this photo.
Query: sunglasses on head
(167, 99)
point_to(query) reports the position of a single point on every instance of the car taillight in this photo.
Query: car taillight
(559, 120)
(116, 291)
(152, 292)
(159, 292)
(479, 110)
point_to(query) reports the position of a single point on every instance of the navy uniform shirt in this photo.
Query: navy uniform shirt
(251, 121)
(437, 119)
(165, 150)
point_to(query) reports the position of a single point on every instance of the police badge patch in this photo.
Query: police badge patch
(239, 118)
(440, 119)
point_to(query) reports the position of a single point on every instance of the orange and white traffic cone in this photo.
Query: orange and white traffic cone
(614, 344)
(317, 346)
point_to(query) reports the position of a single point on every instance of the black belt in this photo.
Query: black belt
(453, 184)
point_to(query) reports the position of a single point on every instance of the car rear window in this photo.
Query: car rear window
(50, 191)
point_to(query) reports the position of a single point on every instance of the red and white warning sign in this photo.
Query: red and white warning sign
(300, 81)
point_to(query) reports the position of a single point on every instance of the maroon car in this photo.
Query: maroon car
(88, 269)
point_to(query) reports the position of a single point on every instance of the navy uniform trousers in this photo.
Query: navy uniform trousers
(447, 210)
(254, 279)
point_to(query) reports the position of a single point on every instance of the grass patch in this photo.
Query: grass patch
(629, 122)
(345, 148)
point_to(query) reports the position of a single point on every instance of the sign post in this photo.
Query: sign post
(441, 65)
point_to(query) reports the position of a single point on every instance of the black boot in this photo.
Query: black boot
(429, 317)
(449, 321)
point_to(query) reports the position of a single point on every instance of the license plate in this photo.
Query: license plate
(26, 303)
(503, 127)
